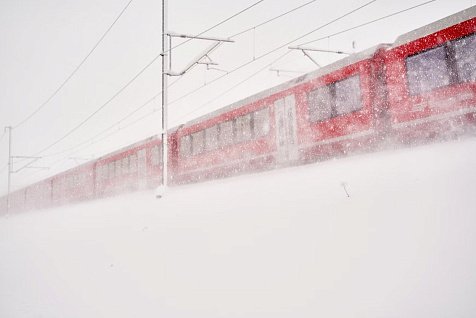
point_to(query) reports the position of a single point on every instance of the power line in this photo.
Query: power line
(155, 96)
(234, 70)
(92, 141)
(84, 121)
(234, 86)
(216, 25)
(135, 110)
(75, 70)
(369, 22)
(272, 19)
(273, 50)
(129, 83)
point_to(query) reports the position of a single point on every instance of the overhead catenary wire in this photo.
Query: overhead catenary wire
(157, 94)
(369, 22)
(273, 50)
(216, 25)
(276, 49)
(272, 19)
(346, 30)
(321, 38)
(233, 87)
(95, 141)
(124, 118)
(76, 69)
(84, 121)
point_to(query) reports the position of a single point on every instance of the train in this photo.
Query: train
(420, 88)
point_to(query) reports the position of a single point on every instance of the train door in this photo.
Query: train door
(286, 135)
(142, 168)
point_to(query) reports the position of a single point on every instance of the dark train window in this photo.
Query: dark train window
(261, 122)
(133, 163)
(211, 137)
(348, 97)
(226, 133)
(155, 156)
(125, 165)
(111, 170)
(339, 98)
(198, 142)
(465, 56)
(427, 71)
(243, 128)
(320, 104)
(186, 146)
(118, 164)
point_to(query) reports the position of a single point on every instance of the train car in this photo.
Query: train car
(132, 168)
(325, 113)
(431, 76)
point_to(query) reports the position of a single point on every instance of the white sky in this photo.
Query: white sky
(42, 41)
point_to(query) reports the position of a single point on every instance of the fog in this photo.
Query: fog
(388, 234)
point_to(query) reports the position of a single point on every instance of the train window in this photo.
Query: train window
(185, 146)
(105, 172)
(427, 71)
(125, 165)
(111, 170)
(98, 171)
(102, 174)
(320, 104)
(261, 122)
(198, 142)
(155, 156)
(243, 128)
(348, 97)
(211, 137)
(464, 50)
(118, 164)
(226, 133)
(133, 163)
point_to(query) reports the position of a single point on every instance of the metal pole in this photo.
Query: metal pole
(10, 163)
(165, 55)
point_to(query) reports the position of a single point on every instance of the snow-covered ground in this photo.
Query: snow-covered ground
(287, 243)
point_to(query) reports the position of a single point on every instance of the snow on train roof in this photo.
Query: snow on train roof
(351, 59)
(436, 26)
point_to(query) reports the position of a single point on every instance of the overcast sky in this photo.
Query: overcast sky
(43, 41)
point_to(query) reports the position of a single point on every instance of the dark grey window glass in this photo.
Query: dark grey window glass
(427, 71)
(348, 97)
(320, 104)
(465, 56)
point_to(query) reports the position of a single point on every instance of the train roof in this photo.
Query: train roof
(351, 59)
(444, 23)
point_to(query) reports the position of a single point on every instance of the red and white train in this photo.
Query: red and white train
(419, 88)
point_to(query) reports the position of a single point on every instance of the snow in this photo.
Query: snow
(285, 243)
